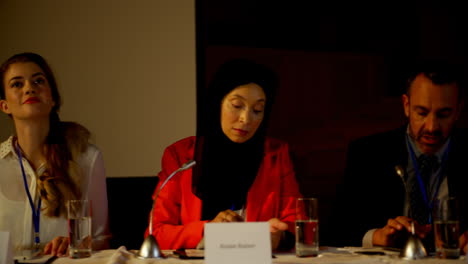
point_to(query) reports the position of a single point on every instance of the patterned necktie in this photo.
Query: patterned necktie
(419, 208)
(427, 165)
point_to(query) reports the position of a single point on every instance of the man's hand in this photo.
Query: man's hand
(396, 227)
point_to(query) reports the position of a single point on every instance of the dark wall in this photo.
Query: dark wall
(341, 66)
(130, 202)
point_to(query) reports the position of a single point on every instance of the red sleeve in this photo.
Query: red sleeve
(289, 188)
(168, 228)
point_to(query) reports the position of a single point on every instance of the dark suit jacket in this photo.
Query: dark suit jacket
(372, 192)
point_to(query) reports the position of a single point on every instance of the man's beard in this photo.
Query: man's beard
(438, 135)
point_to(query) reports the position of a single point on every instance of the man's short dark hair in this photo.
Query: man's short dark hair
(439, 72)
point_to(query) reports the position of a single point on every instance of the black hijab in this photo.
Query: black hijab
(225, 170)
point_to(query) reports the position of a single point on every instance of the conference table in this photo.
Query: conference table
(327, 255)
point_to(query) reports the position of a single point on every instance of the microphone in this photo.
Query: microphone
(150, 248)
(414, 248)
(400, 171)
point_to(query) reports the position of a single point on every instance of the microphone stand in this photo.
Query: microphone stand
(150, 248)
(414, 248)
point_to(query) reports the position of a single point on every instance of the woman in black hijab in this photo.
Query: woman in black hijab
(224, 150)
(241, 174)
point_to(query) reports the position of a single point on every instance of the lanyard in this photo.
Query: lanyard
(421, 185)
(36, 213)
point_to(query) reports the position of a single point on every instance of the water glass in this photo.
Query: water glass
(446, 228)
(307, 228)
(79, 228)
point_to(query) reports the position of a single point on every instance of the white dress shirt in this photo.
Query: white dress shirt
(15, 210)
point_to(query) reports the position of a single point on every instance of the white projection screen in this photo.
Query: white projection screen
(125, 70)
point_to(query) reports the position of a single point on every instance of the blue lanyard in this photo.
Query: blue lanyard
(36, 213)
(428, 203)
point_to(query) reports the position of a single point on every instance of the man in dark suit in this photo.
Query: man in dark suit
(387, 186)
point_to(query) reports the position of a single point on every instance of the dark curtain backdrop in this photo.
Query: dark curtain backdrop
(341, 66)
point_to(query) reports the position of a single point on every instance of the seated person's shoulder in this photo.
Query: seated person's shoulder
(182, 149)
(90, 154)
(185, 143)
(92, 148)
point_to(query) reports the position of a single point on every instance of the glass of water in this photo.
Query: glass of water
(446, 228)
(79, 228)
(307, 228)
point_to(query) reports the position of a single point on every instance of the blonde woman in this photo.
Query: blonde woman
(45, 163)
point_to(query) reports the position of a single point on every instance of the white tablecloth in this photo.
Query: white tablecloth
(326, 256)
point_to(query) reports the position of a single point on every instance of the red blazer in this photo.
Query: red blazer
(177, 213)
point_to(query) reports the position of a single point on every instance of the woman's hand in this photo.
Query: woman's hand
(277, 227)
(227, 216)
(57, 247)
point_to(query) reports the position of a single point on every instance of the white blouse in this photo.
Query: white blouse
(15, 210)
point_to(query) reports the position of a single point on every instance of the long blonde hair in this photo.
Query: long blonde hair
(62, 178)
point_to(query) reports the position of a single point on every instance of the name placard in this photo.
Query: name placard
(234, 243)
(5, 248)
